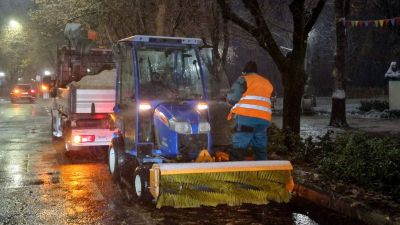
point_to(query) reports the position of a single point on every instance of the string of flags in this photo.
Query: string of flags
(393, 22)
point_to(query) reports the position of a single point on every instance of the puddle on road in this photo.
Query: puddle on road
(300, 219)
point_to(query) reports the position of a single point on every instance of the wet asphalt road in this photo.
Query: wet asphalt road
(38, 185)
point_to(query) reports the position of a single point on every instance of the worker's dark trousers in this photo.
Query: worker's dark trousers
(256, 140)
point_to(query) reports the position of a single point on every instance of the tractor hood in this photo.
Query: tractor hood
(183, 118)
(182, 112)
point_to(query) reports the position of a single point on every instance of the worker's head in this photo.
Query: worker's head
(250, 67)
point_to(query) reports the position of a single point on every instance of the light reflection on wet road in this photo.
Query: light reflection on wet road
(38, 185)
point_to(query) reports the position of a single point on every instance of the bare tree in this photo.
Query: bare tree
(338, 115)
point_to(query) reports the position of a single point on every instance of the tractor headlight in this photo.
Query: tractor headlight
(202, 106)
(180, 127)
(204, 127)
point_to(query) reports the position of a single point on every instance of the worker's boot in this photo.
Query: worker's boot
(260, 153)
(237, 154)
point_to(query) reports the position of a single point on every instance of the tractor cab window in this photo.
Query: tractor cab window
(126, 83)
(169, 73)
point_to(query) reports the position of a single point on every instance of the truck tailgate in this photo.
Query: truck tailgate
(102, 99)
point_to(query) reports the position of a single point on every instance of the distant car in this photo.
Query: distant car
(23, 92)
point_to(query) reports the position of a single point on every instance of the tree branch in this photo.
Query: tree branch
(228, 14)
(260, 32)
(314, 16)
(265, 39)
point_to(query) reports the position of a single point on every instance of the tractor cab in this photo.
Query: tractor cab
(161, 109)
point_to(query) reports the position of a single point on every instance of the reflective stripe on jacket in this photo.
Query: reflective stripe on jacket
(255, 101)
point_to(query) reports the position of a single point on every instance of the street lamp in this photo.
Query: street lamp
(15, 25)
(47, 73)
(2, 74)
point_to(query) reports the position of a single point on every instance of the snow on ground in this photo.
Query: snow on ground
(318, 124)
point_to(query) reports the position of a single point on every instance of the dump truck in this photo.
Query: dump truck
(80, 112)
(162, 151)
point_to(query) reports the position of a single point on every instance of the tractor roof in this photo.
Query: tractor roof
(162, 39)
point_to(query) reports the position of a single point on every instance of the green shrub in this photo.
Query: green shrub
(352, 158)
(360, 159)
(283, 142)
(377, 105)
(276, 140)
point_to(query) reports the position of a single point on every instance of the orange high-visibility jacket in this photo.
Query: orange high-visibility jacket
(256, 100)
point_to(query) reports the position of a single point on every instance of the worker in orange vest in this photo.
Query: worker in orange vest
(250, 96)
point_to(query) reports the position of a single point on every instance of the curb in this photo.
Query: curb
(346, 206)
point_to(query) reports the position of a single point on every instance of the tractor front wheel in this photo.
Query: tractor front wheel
(141, 184)
(116, 158)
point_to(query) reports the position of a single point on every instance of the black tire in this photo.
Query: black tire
(127, 178)
(54, 138)
(69, 154)
(116, 158)
(141, 184)
(66, 135)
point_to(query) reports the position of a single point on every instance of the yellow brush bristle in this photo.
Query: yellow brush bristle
(231, 188)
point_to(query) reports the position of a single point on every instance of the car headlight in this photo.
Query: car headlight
(204, 127)
(180, 127)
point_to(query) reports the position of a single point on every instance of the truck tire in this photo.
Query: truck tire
(53, 125)
(52, 128)
(116, 158)
(141, 184)
(66, 135)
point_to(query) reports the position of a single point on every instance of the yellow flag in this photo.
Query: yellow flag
(381, 22)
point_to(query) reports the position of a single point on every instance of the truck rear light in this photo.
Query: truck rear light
(33, 91)
(84, 138)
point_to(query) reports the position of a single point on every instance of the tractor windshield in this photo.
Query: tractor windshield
(169, 73)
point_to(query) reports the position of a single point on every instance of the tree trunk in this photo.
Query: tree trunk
(162, 8)
(293, 85)
(338, 114)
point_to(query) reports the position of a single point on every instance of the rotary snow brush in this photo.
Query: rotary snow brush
(188, 185)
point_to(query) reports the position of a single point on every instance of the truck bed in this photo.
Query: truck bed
(91, 92)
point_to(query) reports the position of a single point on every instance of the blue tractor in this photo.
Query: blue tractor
(163, 144)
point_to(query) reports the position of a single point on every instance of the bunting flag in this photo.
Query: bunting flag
(392, 22)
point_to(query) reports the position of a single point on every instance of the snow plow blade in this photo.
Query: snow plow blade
(189, 185)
